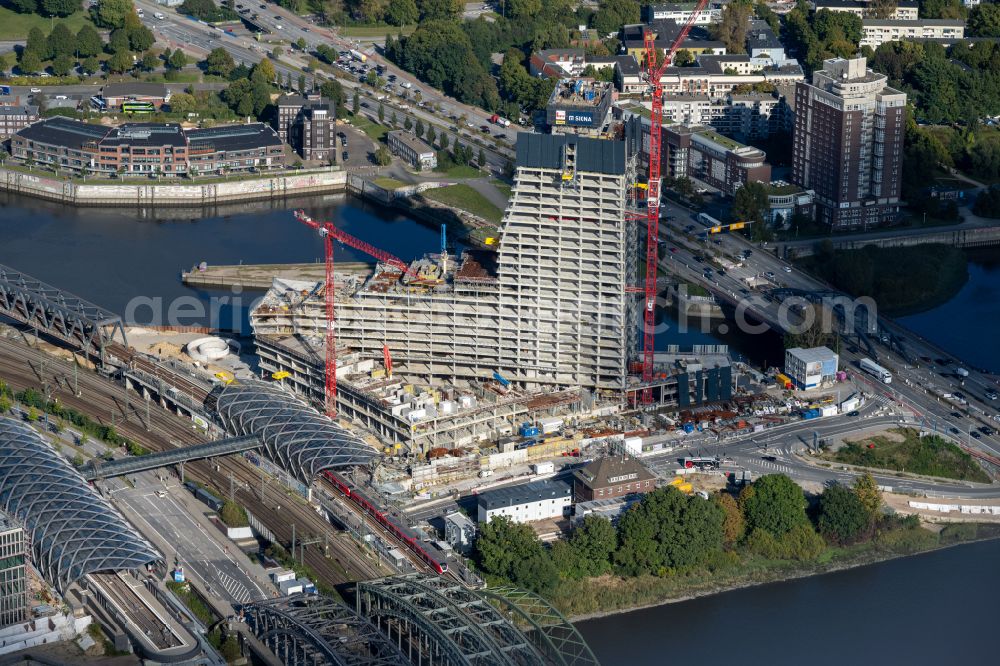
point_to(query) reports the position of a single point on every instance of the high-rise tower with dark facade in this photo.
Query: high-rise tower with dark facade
(848, 143)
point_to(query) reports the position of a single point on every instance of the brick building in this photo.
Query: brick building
(308, 125)
(848, 144)
(702, 154)
(612, 476)
(14, 117)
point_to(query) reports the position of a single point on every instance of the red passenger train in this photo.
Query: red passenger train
(423, 550)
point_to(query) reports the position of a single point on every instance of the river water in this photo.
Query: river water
(935, 608)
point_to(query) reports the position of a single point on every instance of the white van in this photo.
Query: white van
(159, 16)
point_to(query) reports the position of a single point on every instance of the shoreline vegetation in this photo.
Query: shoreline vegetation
(669, 546)
(683, 589)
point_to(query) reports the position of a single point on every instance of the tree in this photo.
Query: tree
(88, 41)
(866, 488)
(301, 44)
(177, 60)
(91, 65)
(233, 515)
(231, 649)
(750, 203)
(407, 124)
(356, 103)
(4, 404)
(32, 414)
(24, 6)
(419, 129)
(61, 41)
(439, 9)
(302, 84)
(219, 62)
(733, 25)
(523, 9)
(371, 78)
(431, 135)
(984, 20)
(62, 65)
(264, 72)
(684, 58)
(842, 517)
(733, 525)
(6, 62)
(30, 63)
(118, 42)
(183, 103)
(401, 12)
(277, 52)
(503, 544)
(443, 141)
(381, 112)
(382, 156)
(594, 543)
(140, 38)
(112, 13)
(611, 15)
(881, 9)
(77, 460)
(37, 44)
(773, 503)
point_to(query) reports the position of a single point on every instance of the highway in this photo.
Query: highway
(100, 398)
(919, 377)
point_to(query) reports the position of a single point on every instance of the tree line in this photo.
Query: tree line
(668, 533)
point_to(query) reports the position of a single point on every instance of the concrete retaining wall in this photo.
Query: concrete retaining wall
(103, 193)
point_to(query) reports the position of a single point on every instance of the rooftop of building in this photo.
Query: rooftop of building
(674, 7)
(536, 491)
(561, 54)
(146, 134)
(666, 30)
(911, 23)
(417, 145)
(811, 355)
(63, 131)
(18, 110)
(856, 4)
(687, 97)
(135, 89)
(580, 92)
(235, 137)
(779, 187)
(545, 151)
(611, 470)
(760, 36)
(299, 101)
(627, 64)
(710, 134)
(460, 519)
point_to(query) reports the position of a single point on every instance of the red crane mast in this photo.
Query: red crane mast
(655, 73)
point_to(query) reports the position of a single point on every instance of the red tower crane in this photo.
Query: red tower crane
(655, 73)
(329, 233)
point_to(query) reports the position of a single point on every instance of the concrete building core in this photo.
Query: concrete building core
(547, 313)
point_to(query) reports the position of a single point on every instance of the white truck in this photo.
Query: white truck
(358, 55)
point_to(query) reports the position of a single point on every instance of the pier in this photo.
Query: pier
(258, 277)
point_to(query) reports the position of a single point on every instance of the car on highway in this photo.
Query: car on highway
(956, 415)
(485, 129)
(986, 430)
(61, 97)
(263, 6)
(854, 413)
(787, 269)
(976, 434)
(769, 275)
(768, 458)
(345, 156)
(992, 395)
(36, 90)
(954, 431)
(673, 249)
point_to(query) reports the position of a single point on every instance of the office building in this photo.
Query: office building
(13, 572)
(308, 125)
(459, 530)
(526, 503)
(412, 150)
(579, 106)
(15, 117)
(810, 368)
(848, 144)
(707, 156)
(151, 149)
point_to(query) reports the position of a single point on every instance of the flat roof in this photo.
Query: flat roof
(146, 134)
(63, 131)
(811, 355)
(592, 155)
(137, 89)
(418, 146)
(500, 498)
(889, 23)
(235, 137)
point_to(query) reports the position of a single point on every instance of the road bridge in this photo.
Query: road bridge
(97, 469)
(58, 314)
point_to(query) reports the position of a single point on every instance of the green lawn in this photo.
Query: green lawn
(462, 171)
(372, 129)
(503, 187)
(16, 26)
(376, 30)
(467, 199)
(388, 183)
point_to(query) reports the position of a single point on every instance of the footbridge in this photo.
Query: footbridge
(98, 469)
(59, 314)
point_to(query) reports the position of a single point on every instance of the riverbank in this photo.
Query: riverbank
(98, 193)
(610, 595)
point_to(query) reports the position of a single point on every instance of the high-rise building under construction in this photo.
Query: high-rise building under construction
(548, 309)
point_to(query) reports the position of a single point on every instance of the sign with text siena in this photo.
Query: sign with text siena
(574, 118)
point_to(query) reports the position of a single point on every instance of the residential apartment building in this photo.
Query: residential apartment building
(744, 116)
(308, 125)
(612, 476)
(848, 143)
(906, 10)
(698, 41)
(15, 117)
(680, 12)
(148, 148)
(702, 154)
(13, 572)
(412, 150)
(875, 32)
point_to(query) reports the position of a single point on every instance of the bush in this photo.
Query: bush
(958, 532)
(234, 515)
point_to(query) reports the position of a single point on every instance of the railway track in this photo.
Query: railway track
(159, 634)
(21, 366)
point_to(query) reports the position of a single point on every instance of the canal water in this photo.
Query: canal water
(935, 608)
